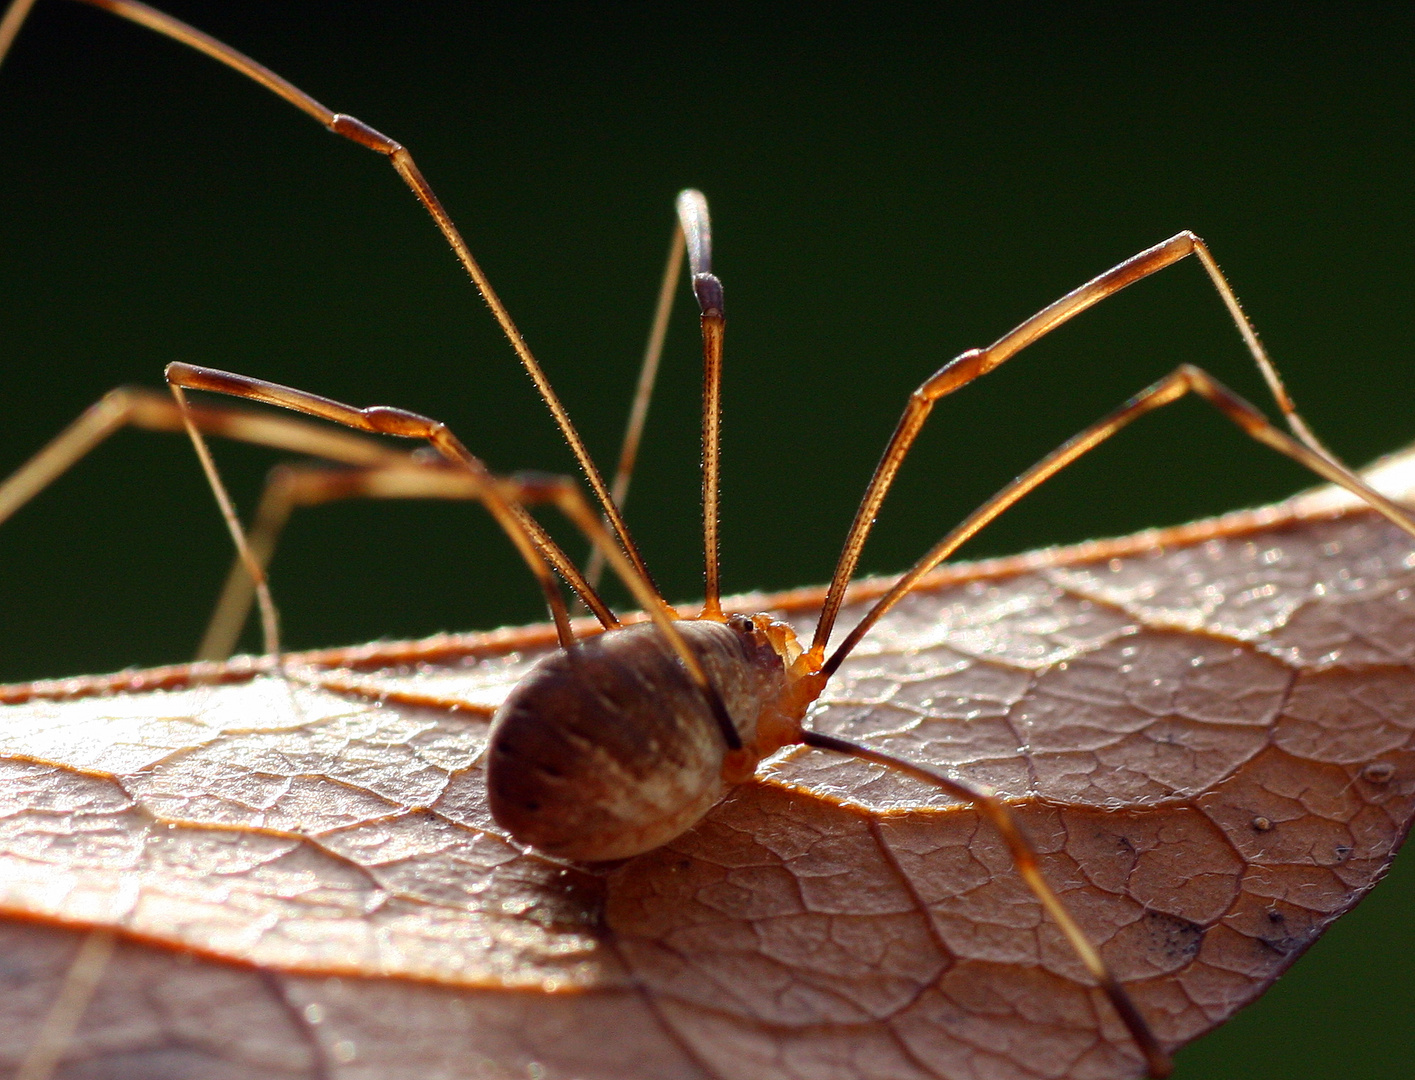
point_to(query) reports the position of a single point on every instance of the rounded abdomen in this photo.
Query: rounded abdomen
(608, 750)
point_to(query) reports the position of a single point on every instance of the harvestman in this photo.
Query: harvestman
(568, 771)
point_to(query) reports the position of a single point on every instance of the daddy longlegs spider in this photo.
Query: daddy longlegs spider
(569, 770)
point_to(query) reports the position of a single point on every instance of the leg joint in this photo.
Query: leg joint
(357, 131)
(389, 421)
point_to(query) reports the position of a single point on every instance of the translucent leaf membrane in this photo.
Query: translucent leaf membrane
(1207, 732)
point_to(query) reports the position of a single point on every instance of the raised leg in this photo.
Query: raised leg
(372, 470)
(502, 497)
(695, 232)
(1185, 379)
(357, 131)
(968, 366)
(1024, 856)
(697, 227)
(643, 392)
(291, 486)
(153, 411)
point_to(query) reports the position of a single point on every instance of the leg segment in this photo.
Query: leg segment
(1025, 858)
(643, 392)
(374, 471)
(503, 499)
(697, 228)
(269, 617)
(970, 365)
(1185, 379)
(357, 131)
(152, 411)
(291, 486)
(378, 420)
(80, 981)
(14, 18)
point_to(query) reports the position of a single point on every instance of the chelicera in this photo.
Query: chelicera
(624, 738)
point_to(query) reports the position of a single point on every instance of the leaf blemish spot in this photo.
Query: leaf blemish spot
(1378, 772)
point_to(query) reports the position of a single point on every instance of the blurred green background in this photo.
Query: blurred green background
(886, 193)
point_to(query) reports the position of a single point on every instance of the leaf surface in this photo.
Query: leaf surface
(1207, 733)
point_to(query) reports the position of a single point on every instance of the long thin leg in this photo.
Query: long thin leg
(269, 617)
(501, 497)
(146, 409)
(968, 366)
(379, 420)
(643, 392)
(1185, 379)
(357, 131)
(85, 972)
(291, 486)
(697, 228)
(377, 471)
(281, 495)
(153, 411)
(1004, 820)
(15, 16)
(387, 421)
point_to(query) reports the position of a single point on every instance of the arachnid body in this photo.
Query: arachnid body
(698, 703)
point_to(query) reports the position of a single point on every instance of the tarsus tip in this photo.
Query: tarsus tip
(697, 229)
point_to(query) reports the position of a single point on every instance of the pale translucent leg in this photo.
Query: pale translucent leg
(70, 1003)
(643, 393)
(292, 486)
(503, 498)
(397, 155)
(153, 411)
(974, 363)
(1024, 856)
(1185, 379)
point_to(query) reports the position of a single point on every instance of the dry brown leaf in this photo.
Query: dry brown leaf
(1207, 733)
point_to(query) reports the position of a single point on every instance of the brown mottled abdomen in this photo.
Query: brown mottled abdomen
(609, 750)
